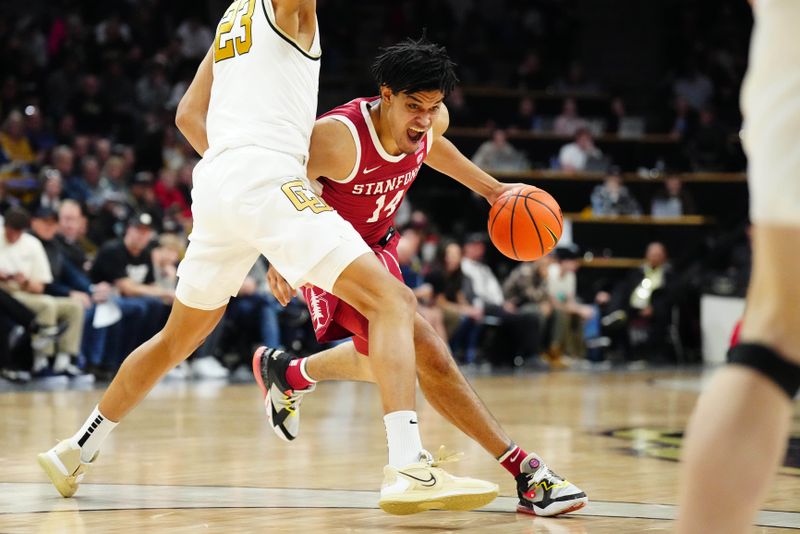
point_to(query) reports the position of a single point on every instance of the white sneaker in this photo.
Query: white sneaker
(180, 372)
(423, 486)
(63, 465)
(208, 367)
(542, 492)
(64, 364)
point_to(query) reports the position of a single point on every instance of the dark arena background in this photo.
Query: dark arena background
(626, 111)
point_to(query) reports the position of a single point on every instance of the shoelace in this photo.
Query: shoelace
(443, 456)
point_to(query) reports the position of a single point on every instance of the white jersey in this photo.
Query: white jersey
(265, 85)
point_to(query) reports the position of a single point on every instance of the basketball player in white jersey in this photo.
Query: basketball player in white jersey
(251, 197)
(737, 435)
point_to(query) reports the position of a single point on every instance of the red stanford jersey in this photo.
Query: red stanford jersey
(369, 197)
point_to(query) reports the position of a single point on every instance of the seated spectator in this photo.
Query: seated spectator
(529, 73)
(6, 201)
(580, 154)
(672, 200)
(616, 115)
(254, 312)
(52, 191)
(453, 294)
(71, 235)
(127, 265)
(169, 195)
(525, 290)
(25, 272)
(13, 141)
(143, 198)
(569, 122)
(613, 198)
(526, 118)
(498, 155)
(683, 120)
(708, 148)
(570, 314)
(39, 135)
(410, 266)
(460, 113)
(70, 280)
(575, 81)
(694, 87)
(516, 331)
(640, 309)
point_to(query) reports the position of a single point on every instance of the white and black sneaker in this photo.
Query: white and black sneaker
(67, 365)
(544, 493)
(280, 400)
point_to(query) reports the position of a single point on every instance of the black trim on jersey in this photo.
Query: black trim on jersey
(286, 38)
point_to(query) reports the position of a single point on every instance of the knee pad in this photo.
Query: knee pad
(785, 374)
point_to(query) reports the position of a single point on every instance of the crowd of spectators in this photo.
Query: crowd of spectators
(95, 180)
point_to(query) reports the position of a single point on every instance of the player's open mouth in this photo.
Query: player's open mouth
(415, 135)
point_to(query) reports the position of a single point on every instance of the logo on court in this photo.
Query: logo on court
(666, 444)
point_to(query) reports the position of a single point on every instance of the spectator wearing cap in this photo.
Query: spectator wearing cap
(25, 273)
(70, 280)
(613, 198)
(144, 200)
(127, 265)
(575, 156)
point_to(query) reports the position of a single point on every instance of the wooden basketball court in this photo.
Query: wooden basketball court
(198, 457)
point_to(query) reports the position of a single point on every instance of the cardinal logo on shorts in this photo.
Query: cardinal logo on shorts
(320, 313)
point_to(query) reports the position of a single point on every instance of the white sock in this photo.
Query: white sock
(402, 434)
(92, 433)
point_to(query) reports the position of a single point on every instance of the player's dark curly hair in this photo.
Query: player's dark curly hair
(413, 66)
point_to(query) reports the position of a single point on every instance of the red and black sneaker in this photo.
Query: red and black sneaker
(542, 492)
(281, 401)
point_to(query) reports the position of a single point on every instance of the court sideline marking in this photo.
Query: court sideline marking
(21, 498)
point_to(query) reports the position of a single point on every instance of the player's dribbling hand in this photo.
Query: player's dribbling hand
(279, 286)
(502, 188)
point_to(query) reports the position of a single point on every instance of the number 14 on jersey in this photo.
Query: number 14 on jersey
(391, 208)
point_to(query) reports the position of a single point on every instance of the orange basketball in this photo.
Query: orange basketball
(525, 223)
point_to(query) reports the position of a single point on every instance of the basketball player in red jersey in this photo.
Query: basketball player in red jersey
(365, 155)
(737, 435)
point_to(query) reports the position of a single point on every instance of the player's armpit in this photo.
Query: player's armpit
(332, 152)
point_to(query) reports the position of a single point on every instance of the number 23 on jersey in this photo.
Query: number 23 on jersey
(234, 39)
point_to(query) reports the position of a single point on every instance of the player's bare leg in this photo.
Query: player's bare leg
(390, 308)
(737, 435)
(452, 396)
(185, 330)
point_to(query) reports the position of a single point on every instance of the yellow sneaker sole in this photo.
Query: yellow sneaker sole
(57, 478)
(452, 502)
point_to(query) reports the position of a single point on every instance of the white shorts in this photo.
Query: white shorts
(249, 201)
(771, 106)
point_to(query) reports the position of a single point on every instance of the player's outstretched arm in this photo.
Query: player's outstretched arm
(447, 159)
(190, 117)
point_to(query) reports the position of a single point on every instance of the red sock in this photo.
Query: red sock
(512, 459)
(296, 375)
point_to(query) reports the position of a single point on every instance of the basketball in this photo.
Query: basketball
(525, 223)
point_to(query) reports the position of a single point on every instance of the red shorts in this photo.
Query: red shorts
(334, 319)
